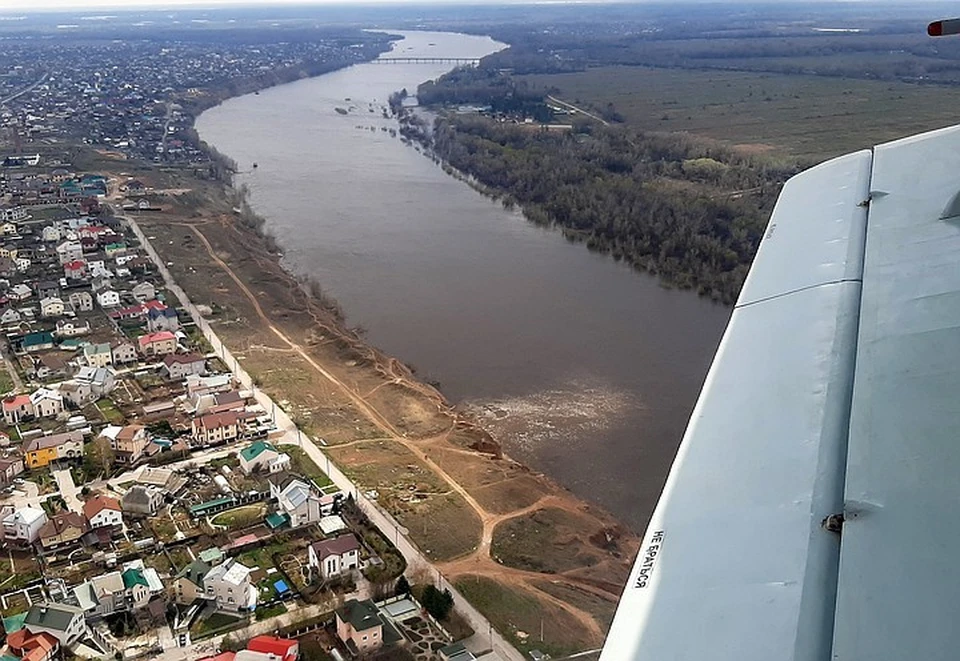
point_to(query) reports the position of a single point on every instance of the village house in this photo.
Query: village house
(69, 251)
(52, 233)
(179, 366)
(33, 647)
(23, 263)
(51, 307)
(47, 403)
(359, 626)
(97, 355)
(162, 319)
(10, 467)
(204, 385)
(9, 317)
(228, 585)
(47, 289)
(128, 442)
(141, 499)
(113, 592)
(22, 527)
(14, 213)
(63, 622)
(81, 301)
(264, 457)
(114, 249)
(75, 270)
(123, 353)
(270, 648)
(19, 292)
(103, 512)
(50, 365)
(40, 451)
(216, 428)
(108, 298)
(188, 585)
(157, 344)
(334, 557)
(102, 380)
(72, 328)
(299, 502)
(62, 529)
(17, 408)
(76, 394)
(144, 291)
(31, 342)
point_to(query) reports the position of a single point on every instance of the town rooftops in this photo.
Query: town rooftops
(255, 449)
(99, 503)
(51, 616)
(230, 571)
(336, 546)
(159, 336)
(15, 402)
(361, 615)
(133, 577)
(172, 359)
(280, 647)
(56, 440)
(24, 515)
(217, 420)
(62, 521)
(194, 572)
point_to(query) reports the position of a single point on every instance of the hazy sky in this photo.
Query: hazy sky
(34, 5)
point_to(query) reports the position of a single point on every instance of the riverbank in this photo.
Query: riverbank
(435, 471)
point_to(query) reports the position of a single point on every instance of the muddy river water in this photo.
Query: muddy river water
(585, 369)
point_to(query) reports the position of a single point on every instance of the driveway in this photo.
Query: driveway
(68, 489)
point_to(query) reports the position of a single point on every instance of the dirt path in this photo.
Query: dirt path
(480, 560)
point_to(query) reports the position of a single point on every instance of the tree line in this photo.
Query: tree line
(685, 209)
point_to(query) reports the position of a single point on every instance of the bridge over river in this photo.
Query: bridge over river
(427, 60)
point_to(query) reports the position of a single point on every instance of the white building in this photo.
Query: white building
(300, 501)
(22, 527)
(51, 307)
(69, 251)
(103, 512)
(47, 403)
(229, 586)
(333, 557)
(108, 298)
(264, 457)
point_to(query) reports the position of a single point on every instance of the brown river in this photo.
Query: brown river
(585, 369)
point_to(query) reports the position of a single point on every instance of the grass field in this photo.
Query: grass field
(548, 540)
(813, 117)
(521, 618)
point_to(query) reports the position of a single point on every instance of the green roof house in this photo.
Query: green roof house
(262, 456)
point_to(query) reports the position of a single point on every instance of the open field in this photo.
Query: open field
(812, 117)
(384, 428)
(521, 617)
(548, 540)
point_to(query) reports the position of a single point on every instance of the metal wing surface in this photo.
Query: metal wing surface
(835, 391)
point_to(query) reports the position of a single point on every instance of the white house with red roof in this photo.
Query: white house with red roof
(16, 408)
(103, 512)
(77, 269)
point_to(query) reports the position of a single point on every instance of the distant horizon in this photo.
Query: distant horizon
(31, 7)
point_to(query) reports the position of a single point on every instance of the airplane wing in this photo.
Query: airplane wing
(834, 398)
